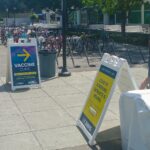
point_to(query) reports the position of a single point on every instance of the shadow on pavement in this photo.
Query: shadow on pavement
(109, 139)
(109, 145)
(7, 88)
(109, 134)
(106, 140)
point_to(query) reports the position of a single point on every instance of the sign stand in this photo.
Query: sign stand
(8, 78)
(112, 71)
(23, 64)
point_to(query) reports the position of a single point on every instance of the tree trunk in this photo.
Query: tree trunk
(123, 22)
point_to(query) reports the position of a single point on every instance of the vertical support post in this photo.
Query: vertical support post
(6, 17)
(106, 19)
(127, 14)
(78, 17)
(142, 14)
(14, 16)
(64, 71)
(149, 56)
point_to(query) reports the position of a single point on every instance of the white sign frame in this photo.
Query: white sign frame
(9, 65)
(117, 65)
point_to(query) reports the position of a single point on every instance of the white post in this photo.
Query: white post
(142, 14)
(48, 18)
(61, 20)
(127, 20)
(106, 19)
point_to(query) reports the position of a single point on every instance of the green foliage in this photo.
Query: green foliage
(114, 6)
(111, 6)
(91, 2)
(36, 5)
(75, 3)
(1, 20)
(11, 4)
(34, 17)
(147, 6)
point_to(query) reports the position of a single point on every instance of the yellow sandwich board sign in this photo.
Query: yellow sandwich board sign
(100, 95)
(97, 98)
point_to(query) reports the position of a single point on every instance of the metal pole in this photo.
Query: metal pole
(6, 17)
(15, 19)
(148, 84)
(149, 56)
(64, 71)
(14, 16)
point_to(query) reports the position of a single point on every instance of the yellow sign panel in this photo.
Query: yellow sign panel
(97, 98)
(25, 73)
(26, 55)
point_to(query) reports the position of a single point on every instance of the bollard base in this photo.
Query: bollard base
(64, 73)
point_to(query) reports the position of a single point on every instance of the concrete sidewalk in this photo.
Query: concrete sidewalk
(45, 118)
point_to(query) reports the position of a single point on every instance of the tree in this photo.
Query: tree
(37, 5)
(74, 3)
(113, 6)
(125, 7)
(34, 17)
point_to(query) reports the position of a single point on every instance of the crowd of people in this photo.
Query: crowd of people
(46, 39)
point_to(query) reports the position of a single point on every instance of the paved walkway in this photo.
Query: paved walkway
(45, 118)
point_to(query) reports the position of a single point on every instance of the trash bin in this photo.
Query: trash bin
(47, 61)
